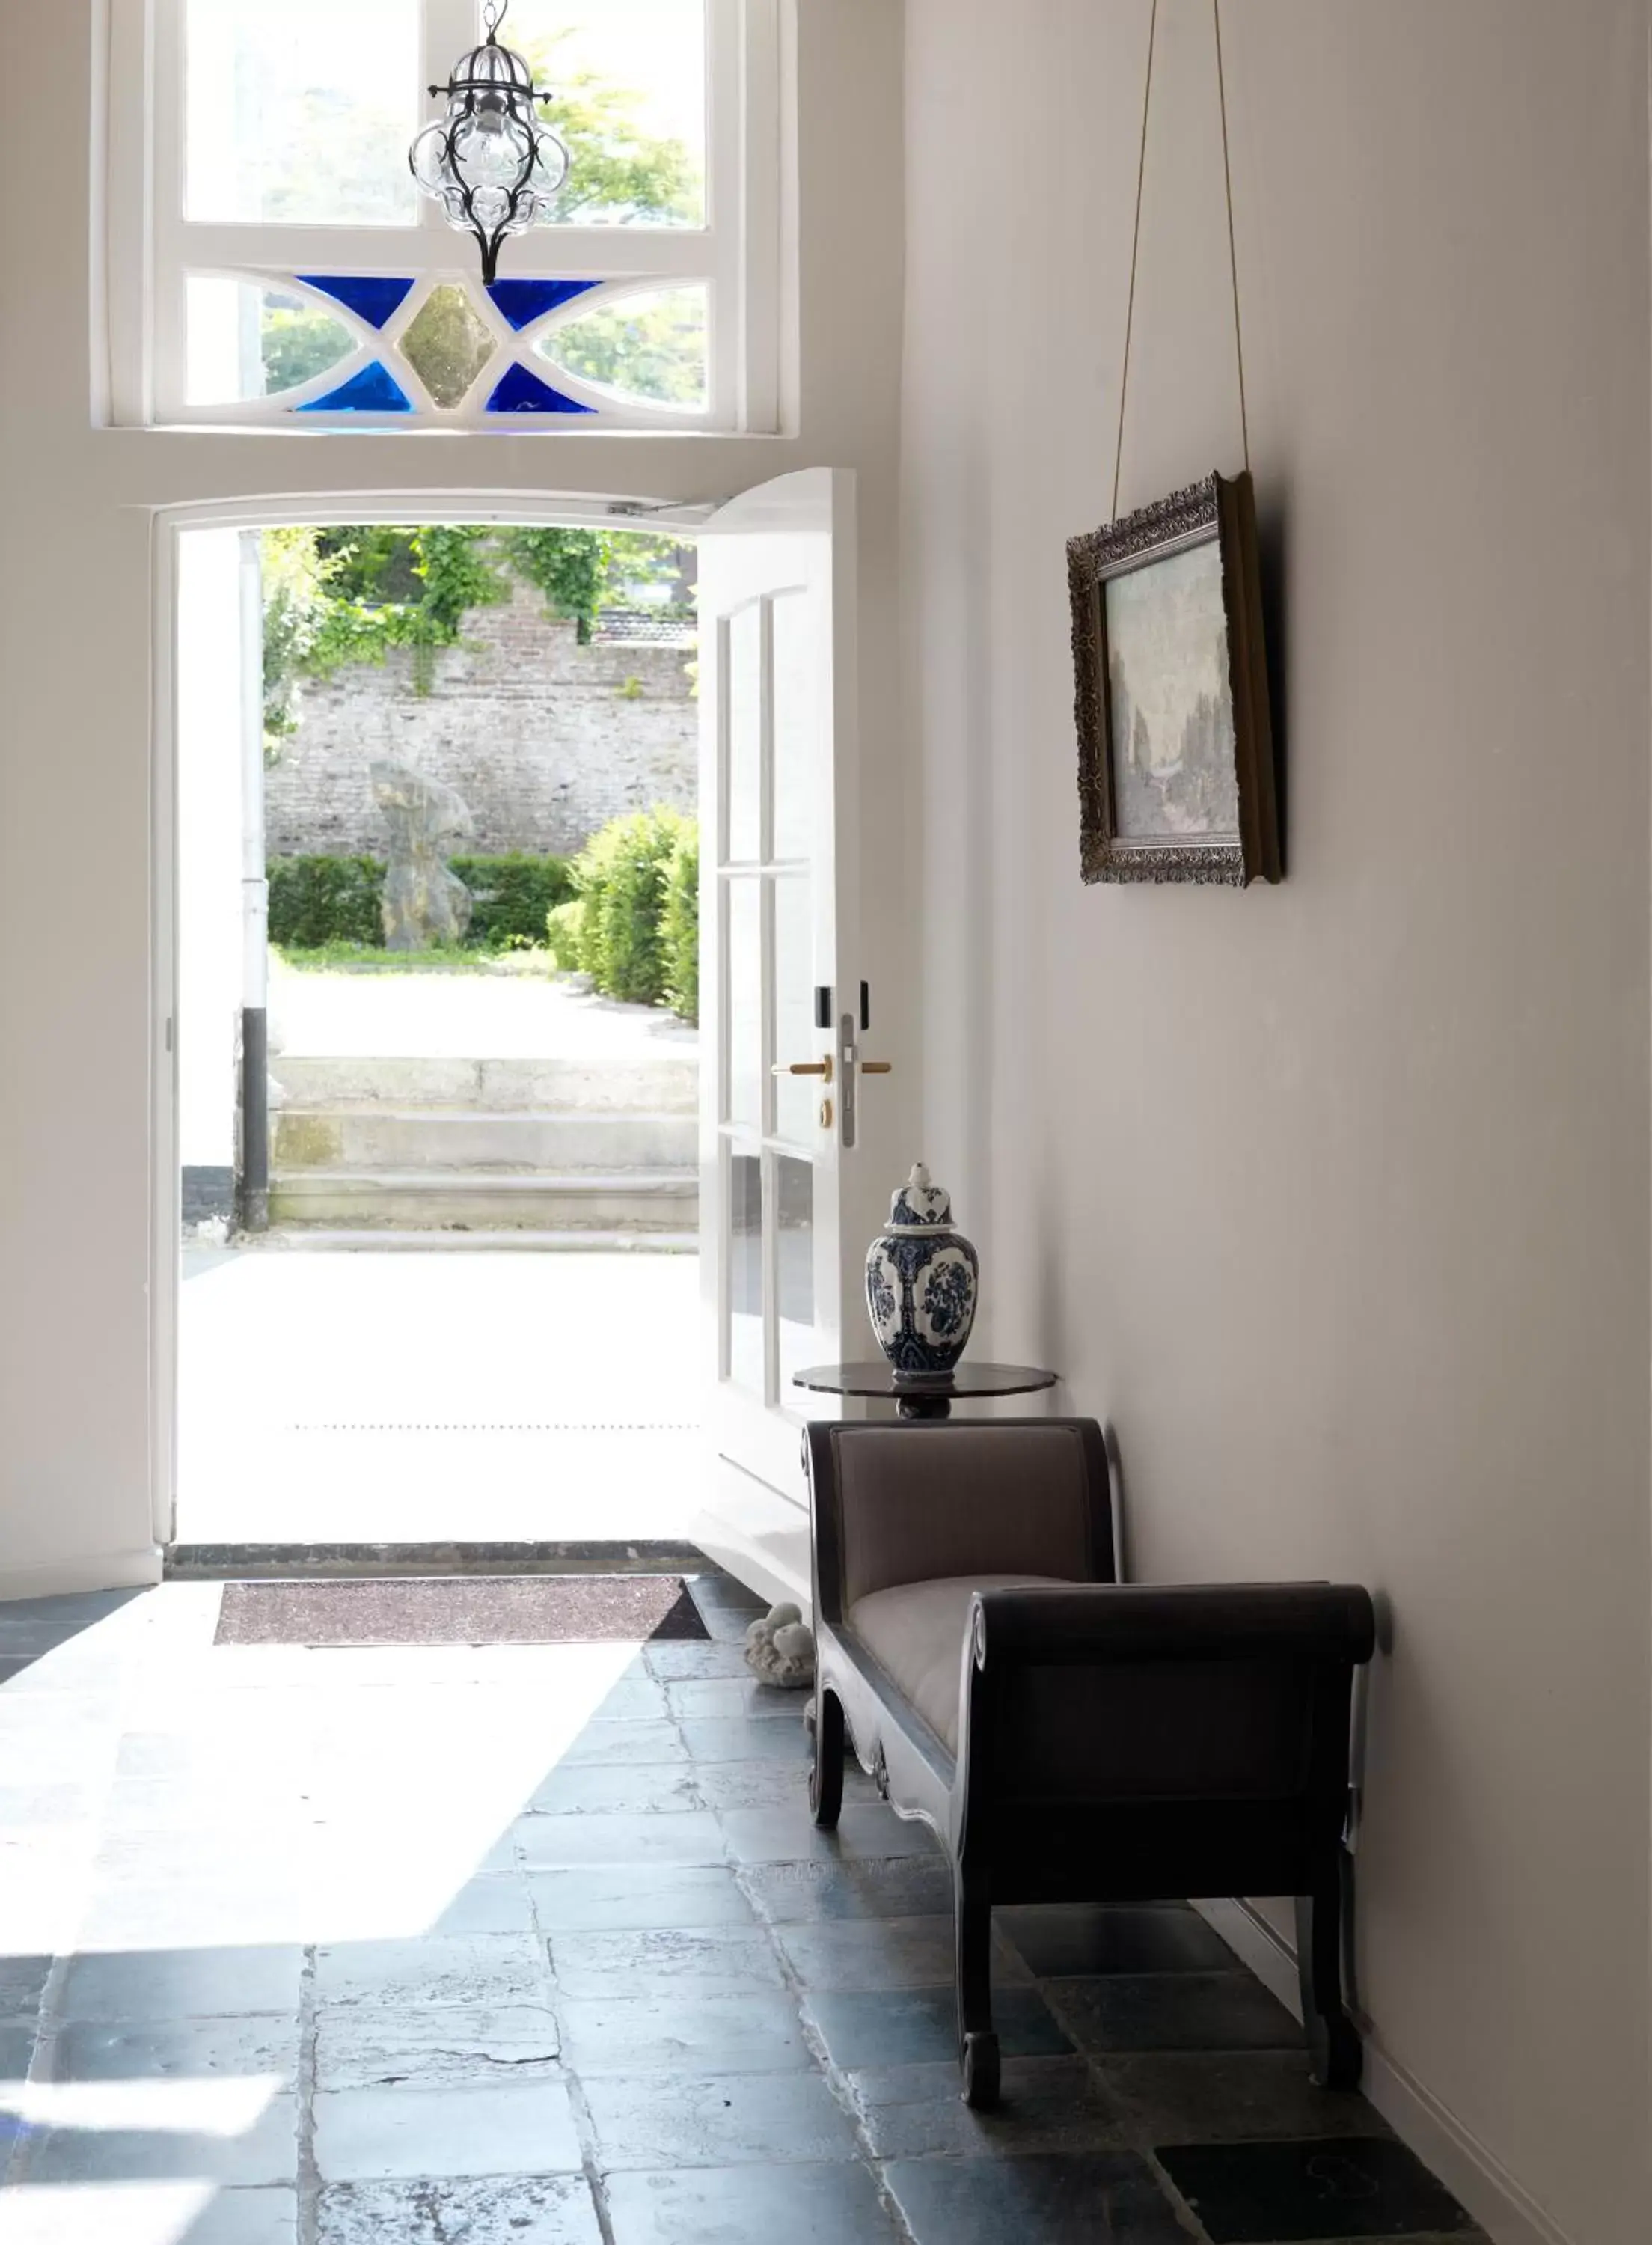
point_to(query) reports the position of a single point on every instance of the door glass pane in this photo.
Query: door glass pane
(627, 81)
(745, 693)
(745, 1245)
(743, 965)
(796, 726)
(301, 111)
(246, 341)
(795, 1254)
(796, 1097)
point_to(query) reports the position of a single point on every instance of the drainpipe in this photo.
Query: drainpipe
(254, 1085)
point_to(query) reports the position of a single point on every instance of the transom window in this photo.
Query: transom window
(296, 275)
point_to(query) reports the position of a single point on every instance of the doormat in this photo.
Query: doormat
(461, 1610)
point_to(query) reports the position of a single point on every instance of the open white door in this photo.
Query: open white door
(779, 993)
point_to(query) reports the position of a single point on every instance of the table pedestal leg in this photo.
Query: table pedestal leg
(924, 1407)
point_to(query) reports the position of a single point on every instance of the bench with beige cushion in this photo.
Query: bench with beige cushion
(1070, 1739)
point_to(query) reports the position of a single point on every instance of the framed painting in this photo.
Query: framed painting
(1176, 741)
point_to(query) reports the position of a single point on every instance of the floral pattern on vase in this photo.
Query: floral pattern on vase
(922, 1282)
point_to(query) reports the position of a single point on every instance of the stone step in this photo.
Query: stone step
(373, 1137)
(346, 1240)
(640, 1201)
(666, 1083)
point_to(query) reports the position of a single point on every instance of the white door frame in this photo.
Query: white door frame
(532, 510)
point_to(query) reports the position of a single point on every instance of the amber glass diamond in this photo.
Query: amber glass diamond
(448, 345)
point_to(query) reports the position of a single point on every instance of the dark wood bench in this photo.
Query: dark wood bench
(1068, 1738)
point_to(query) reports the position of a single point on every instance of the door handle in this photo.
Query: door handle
(877, 1068)
(820, 1067)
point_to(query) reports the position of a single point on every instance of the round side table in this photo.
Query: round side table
(928, 1395)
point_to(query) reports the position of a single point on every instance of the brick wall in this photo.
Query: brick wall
(544, 739)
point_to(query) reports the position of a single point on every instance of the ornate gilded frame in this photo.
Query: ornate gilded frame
(1221, 510)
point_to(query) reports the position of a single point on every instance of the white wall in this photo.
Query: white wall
(80, 1496)
(1335, 1198)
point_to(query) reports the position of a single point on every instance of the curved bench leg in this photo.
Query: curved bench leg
(977, 2045)
(1333, 2042)
(826, 1771)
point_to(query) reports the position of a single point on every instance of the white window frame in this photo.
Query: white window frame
(153, 249)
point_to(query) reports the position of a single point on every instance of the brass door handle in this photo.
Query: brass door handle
(877, 1068)
(820, 1067)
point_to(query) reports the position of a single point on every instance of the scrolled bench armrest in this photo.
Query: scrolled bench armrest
(1105, 1622)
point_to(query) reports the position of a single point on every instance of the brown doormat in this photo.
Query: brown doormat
(461, 1610)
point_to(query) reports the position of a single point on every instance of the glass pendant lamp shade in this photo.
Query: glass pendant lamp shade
(490, 162)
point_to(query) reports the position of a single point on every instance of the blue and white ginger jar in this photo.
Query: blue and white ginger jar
(922, 1279)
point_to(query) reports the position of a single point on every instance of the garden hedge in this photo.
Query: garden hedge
(315, 900)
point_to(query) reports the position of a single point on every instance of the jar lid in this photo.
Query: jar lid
(919, 1205)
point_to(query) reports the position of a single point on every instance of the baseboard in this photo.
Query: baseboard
(1504, 2208)
(761, 1537)
(107, 1570)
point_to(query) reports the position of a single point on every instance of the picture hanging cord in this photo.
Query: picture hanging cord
(1135, 247)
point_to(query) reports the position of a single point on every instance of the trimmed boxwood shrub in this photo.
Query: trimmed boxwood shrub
(512, 895)
(315, 900)
(634, 925)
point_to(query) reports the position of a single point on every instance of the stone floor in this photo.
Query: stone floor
(400, 1397)
(538, 1946)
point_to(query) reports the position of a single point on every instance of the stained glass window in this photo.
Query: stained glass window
(373, 296)
(374, 390)
(245, 340)
(448, 345)
(524, 302)
(651, 347)
(521, 391)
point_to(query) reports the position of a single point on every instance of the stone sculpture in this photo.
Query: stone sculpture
(780, 1650)
(424, 901)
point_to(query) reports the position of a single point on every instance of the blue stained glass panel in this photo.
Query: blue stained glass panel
(524, 301)
(370, 296)
(374, 390)
(519, 391)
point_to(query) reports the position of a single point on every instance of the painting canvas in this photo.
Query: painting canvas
(1172, 700)
(1175, 751)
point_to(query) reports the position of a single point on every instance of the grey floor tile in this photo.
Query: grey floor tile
(588, 1788)
(23, 1981)
(103, 2214)
(831, 2205)
(1049, 2104)
(1272, 2193)
(917, 2026)
(502, 2210)
(649, 2120)
(897, 1886)
(727, 1624)
(1174, 2011)
(613, 1901)
(196, 2050)
(497, 1903)
(782, 1835)
(728, 1959)
(635, 1699)
(574, 1842)
(1082, 2199)
(1185, 2097)
(79, 1608)
(615, 1746)
(17, 2049)
(883, 1952)
(717, 1588)
(747, 1785)
(695, 2033)
(183, 1983)
(724, 1699)
(1066, 1940)
(435, 1968)
(721, 1740)
(360, 2048)
(674, 1663)
(264, 2151)
(382, 2135)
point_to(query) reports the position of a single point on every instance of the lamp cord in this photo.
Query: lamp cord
(1135, 247)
